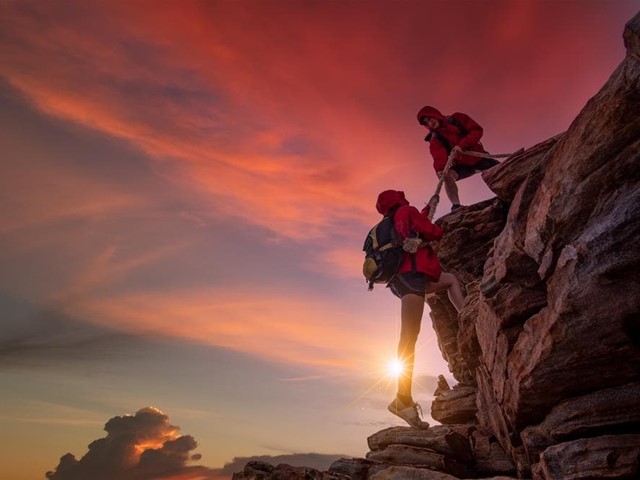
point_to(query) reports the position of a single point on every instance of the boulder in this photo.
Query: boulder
(439, 439)
(609, 456)
(454, 406)
(415, 456)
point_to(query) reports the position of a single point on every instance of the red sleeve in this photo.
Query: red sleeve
(408, 219)
(439, 154)
(474, 130)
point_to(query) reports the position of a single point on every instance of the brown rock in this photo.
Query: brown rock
(457, 405)
(605, 411)
(439, 439)
(443, 386)
(609, 456)
(410, 473)
(490, 457)
(467, 338)
(355, 468)
(468, 237)
(505, 179)
(510, 261)
(405, 455)
(257, 470)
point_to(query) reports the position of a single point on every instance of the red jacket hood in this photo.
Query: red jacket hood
(389, 199)
(430, 112)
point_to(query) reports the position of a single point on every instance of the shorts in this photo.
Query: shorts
(465, 171)
(402, 284)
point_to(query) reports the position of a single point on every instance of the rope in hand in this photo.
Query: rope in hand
(435, 199)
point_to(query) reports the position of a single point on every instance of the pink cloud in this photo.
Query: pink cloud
(283, 134)
(266, 323)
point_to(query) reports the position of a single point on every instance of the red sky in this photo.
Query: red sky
(206, 172)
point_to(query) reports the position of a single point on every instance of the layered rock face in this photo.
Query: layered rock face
(549, 338)
(546, 350)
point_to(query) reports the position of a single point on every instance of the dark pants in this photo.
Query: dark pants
(465, 171)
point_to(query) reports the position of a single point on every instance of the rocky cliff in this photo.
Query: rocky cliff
(546, 351)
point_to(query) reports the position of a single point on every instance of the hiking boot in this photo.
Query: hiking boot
(455, 207)
(409, 413)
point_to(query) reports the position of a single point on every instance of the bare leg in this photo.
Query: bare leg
(450, 186)
(412, 307)
(454, 290)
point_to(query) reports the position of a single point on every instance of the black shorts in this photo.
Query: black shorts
(465, 171)
(402, 284)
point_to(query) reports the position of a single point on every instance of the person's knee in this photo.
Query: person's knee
(452, 176)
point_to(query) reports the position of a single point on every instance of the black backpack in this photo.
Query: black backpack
(383, 252)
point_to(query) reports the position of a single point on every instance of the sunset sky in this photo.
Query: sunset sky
(185, 187)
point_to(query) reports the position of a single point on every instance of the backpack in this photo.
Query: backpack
(383, 252)
(441, 139)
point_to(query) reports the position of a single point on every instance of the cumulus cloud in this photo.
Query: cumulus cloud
(143, 446)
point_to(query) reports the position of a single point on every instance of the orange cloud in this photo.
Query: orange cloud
(287, 159)
(264, 323)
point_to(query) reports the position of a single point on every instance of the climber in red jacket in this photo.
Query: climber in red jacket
(452, 135)
(419, 275)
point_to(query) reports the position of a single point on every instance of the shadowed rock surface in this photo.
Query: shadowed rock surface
(546, 351)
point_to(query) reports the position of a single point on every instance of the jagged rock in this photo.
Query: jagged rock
(356, 468)
(468, 237)
(443, 386)
(406, 455)
(257, 470)
(410, 473)
(558, 310)
(505, 179)
(510, 262)
(445, 321)
(611, 410)
(490, 458)
(467, 338)
(440, 439)
(492, 420)
(455, 406)
(609, 456)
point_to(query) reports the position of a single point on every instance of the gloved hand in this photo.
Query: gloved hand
(456, 152)
(411, 244)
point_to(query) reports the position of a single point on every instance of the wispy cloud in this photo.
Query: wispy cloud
(266, 323)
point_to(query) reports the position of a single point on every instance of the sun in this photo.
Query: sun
(395, 367)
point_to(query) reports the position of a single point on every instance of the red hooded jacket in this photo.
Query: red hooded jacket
(408, 220)
(452, 133)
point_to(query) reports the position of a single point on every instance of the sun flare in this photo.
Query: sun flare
(395, 367)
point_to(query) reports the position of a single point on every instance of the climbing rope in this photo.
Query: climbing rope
(491, 155)
(435, 199)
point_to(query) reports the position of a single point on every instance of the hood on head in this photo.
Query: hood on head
(430, 112)
(390, 199)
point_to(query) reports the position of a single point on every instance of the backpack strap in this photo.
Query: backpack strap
(441, 139)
